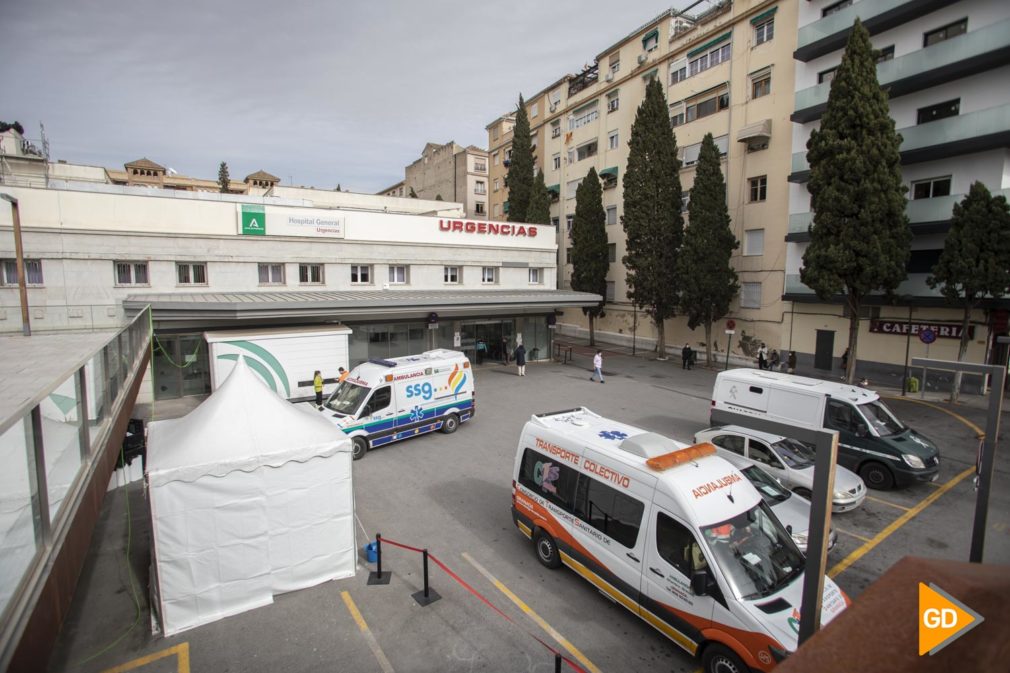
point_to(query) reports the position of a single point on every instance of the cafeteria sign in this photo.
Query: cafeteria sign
(940, 331)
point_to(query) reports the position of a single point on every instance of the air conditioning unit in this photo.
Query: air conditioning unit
(642, 58)
(609, 77)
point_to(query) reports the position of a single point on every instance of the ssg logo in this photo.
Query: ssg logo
(457, 379)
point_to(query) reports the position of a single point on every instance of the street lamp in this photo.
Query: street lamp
(20, 262)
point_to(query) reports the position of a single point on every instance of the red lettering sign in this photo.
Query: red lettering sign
(496, 228)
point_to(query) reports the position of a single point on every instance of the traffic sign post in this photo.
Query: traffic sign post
(729, 339)
(926, 336)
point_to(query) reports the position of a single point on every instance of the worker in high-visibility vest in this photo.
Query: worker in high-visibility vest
(317, 385)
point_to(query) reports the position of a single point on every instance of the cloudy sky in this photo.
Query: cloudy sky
(317, 93)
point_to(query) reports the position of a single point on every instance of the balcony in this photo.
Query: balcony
(964, 134)
(964, 55)
(832, 32)
(926, 216)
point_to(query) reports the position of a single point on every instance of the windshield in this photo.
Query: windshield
(347, 398)
(771, 490)
(795, 453)
(754, 552)
(881, 419)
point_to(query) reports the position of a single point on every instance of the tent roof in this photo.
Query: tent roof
(241, 426)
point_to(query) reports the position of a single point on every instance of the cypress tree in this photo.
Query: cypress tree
(590, 254)
(412, 194)
(708, 282)
(975, 262)
(860, 238)
(519, 178)
(223, 180)
(652, 220)
(539, 211)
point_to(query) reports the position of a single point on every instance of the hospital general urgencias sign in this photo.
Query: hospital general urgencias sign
(253, 221)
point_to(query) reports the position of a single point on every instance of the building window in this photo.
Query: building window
(534, 109)
(568, 255)
(494, 133)
(480, 187)
(676, 114)
(708, 60)
(612, 140)
(555, 221)
(685, 200)
(754, 242)
(611, 214)
(678, 71)
(557, 162)
(611, 252)
(611, 291)
(555, 128)
(826, 75)
(651, 41)
(950, 108)
(706, 107)
(586, 151)
(478, 207)
(758, 188)
(583, 119)
(310, 274)
(931, 188)
(361, 274)
(480, 166)
(131, 273)
(536, 276)
(835, 8)
(613, 102)
(569, 221)
(615, 63)
(689, 154)
(497, 210)
(764, 31)
(572, 187)
(487, 275)
(33, 272)
(398, 275)
(750, 295)
(450, 275)
(761, 85)
(945, 33)
(495, 184)
(271, 274)
(494, 158)
(191, 274)
(885, 54)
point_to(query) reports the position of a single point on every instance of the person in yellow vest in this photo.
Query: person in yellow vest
(317, 385)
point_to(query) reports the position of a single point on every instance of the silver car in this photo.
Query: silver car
(789, 460)
(791, 509)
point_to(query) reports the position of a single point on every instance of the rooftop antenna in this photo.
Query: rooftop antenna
(45, 149)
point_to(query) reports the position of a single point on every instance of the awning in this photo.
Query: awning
(764, 15)
(761, 129)
(606, 172)
(654, 33)
(554, 188)
(711, 43)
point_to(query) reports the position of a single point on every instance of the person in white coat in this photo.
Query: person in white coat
(598, 366)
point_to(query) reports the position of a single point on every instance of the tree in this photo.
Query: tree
(16, 125)
(708, 282)
(338, 187)
(413, 194)
(438, 197)
(652, 220)
(539, 211)
(223, 180)
(590, 253)
(975, 262)
(519, 178)
(859, 239)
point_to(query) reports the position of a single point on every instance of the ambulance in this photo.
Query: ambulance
(384, 401)
(674, 533)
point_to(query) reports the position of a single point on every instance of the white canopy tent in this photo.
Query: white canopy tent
(250, 497)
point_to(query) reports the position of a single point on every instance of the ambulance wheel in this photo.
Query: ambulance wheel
(547, 550)
(876, 476)
(720, 659)
(359, 447)
(450, 424)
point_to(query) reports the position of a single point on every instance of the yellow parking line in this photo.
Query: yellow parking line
(851, 534)
(181, 651)
(373, 644)
(844, 564)
(887, 502)
(561, 640)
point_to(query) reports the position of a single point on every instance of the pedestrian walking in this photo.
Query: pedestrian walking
(481, 351)
(692, 355)
(685, 357)
(504, 351)
(845, 359)
(317, 385)
(773, 360)
(598, 366)
(520, 355)
(763, 356)
(791, 362)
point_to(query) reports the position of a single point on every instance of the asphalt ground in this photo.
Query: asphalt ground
(451, 494)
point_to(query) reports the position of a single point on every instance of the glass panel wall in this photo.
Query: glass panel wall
(17, 528)
(61, 442)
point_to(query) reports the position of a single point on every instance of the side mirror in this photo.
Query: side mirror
(700, 581)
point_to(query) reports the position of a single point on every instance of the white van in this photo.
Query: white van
(872, 442)
(383, 401)
(673, 533)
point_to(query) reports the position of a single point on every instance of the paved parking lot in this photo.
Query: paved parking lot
(452, 495)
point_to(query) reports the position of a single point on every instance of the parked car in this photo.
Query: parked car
(789, 460)
(791, 509)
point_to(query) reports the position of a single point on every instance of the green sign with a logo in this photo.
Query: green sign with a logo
(254, 221)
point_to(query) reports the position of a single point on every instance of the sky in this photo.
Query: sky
(317, 93)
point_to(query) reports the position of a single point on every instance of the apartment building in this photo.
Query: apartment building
(499, 142)
(727, 71)
(946, 66)
(448, 172)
